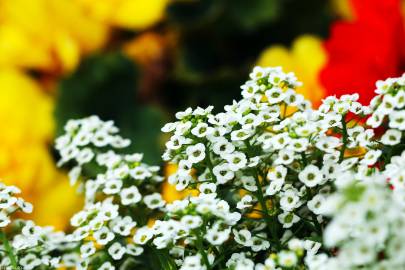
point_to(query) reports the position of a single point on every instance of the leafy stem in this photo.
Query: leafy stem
(268, 218)
(9, 250)
(345, 138)
(200, 247)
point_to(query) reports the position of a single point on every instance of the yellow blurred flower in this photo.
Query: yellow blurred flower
(343, 9)
(52, 35)
(169, 192)
(47, 34)
(25, 160)
(306, 58)
(130, 14)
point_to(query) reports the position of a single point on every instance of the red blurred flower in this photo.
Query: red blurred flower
(367, 49)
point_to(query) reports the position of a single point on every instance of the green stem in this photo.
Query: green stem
(9, 250)
(268, 218)
(199, 243)
(285, 110)
(344, 130)
(209, 163)
(304, 159)
(317, 225)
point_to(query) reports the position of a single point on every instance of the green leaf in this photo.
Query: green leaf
(106, 85)
(192, 14)
(254, 13)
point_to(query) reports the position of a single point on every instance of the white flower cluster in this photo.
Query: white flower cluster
(9, 204)
(121, 197)
(368, 223)
(82, 137)
(277, 184)
(271, 155)
(28, 245)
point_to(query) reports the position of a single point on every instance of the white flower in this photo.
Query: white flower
(249, 89)
(134, 250)
(6, 201)
(312, 247)
(245, 202)
(249, 183)
(257, 73)
(78, 218)
(180, 180)
(397, 120)
(206, 188)
(327, 143)
(316, 203)
(143, 235)
(359, 253)
(274, 187)
(4, 220)
(30, 261)
(275, 95)
(106, 266)
(123, 226)
(289, 200)
(195, 153)
(116, 251)
(278, 173)
(201, 130)
(154, 201)
(285, 156)
(103, 236)
(26, 207)
(140, 173)
(113, 186)
(388, 105)
(240, 135)
(310, 176)
(74, 174)
(287, 258)
(258, 243)
(371, 157)
(192, 263)
(84, 156)
(216, 237)
(181, 115)
(236, 161)
(70, 259)
(298, 145)
(243, 237)
(391, 137)
(375, 120)
(288, 219)
(87, 249)
(182, 128)
(130, 195)
(253, 162)
(169, 127)
(223, 147)
(295, 245)
(223, 173)
(280, 141)
(191, 222)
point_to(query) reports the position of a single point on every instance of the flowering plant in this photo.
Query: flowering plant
(280, 186)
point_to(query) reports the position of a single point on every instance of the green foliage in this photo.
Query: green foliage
(220, 40)
(106, 85)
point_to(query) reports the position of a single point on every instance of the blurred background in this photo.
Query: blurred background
(139, 61)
